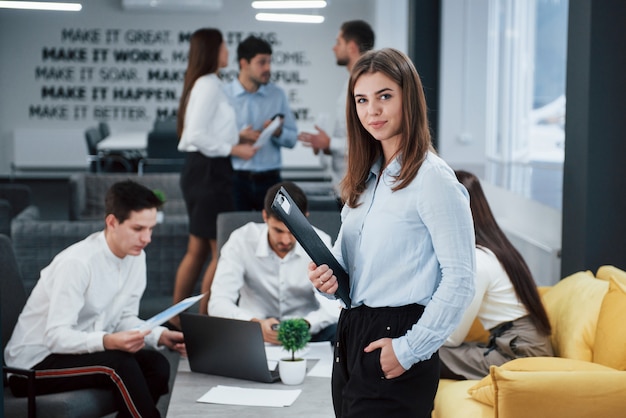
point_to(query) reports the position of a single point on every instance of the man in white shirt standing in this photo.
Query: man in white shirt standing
(79, 327)
(262, 276)
(355, 38)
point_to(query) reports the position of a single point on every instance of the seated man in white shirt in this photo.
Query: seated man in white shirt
(79, 327)
(262, 276)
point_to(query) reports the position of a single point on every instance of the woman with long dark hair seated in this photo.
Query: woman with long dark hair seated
(506, 301)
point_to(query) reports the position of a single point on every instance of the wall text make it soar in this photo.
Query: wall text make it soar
(135, 75)
(109, 74)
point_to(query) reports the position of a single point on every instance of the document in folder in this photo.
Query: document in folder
(267, 133)
(300, 227)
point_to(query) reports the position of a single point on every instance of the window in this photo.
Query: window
(526, 54)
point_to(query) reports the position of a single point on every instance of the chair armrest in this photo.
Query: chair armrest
(31, 393)
(30, 213)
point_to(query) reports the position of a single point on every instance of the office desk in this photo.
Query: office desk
(314, 401)
(124, 141)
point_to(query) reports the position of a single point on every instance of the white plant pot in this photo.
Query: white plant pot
(292, 372)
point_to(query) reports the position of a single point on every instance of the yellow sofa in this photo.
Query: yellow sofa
(586, 379)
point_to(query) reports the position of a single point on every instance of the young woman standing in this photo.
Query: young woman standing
(207, 131)
(407, 242)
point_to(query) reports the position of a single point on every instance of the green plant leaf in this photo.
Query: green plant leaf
(293, 335)
(160, 194)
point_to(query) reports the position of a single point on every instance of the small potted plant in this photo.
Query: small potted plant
(293, 334)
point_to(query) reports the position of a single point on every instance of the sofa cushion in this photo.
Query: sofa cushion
(548, 394)
(610, 340)
(477, 333)
(484, 390)
(573, 306)
(452, 400)
(606, 272)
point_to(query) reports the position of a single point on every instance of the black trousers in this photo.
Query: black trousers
(358, 385)
(250, 188)
(137, 380)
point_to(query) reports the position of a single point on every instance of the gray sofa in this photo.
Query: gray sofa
(37, 241)
(87, 193)
(14, 199)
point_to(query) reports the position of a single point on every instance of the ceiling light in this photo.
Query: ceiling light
(282, 17)
(41, 5)
(287, 4)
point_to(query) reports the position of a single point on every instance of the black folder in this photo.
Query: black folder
(298, 224)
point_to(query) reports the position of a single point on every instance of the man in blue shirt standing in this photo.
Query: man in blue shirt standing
(257, 101)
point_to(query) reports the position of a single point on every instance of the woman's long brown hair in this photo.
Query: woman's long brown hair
(489, 235)
(363, 149)
(204, 50)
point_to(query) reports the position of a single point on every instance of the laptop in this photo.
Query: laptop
(226, 347)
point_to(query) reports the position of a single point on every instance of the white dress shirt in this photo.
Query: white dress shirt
(339, 139)
(495, 300)
(210, 126)
(251, 281)
(85, 293)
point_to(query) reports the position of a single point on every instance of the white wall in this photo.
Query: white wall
(302, 53)
(391, 24)
(463, 94)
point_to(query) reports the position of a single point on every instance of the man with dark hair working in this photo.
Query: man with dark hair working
(257, 101)
(355, 38)
(262, 276)
(79, 327)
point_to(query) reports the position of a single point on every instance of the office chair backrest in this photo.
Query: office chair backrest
(12, 293)
(18, 195)
(104, 129)
(165, 124)
(227, 222)
(92, 136)
(163, 144)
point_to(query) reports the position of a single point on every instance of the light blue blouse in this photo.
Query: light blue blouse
(414, 245)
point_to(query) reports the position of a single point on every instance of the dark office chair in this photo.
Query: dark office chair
(104, 129)
(14, 198)
(100, 161)
(162, 155)
(77, 403)
(165, 124)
